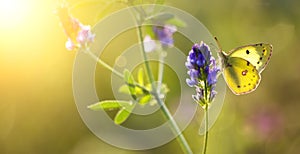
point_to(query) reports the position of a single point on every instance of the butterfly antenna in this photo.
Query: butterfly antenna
(218, 44)
(220, 51)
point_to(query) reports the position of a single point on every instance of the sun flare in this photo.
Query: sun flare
(12, 12)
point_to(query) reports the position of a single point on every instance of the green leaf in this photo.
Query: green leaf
(145, 99)
(125, 90)
(109, 105)
(141, 76)
(176, 22)
(123, 114)
(149, 86)
(130, 82)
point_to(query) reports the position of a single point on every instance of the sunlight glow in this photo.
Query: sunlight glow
(12, 12)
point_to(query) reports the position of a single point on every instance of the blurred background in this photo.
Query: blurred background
(38, 113)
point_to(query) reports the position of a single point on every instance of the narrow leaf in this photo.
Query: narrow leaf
(141, 76)
(109, 105)
(123, 114)
(130, 82)
(145, 100)
(125, 90)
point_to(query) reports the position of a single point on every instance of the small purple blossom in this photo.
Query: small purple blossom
(79, 35)
(85, 35)
(83, 38)
(203, 73)
(165, 35)
(212, 73)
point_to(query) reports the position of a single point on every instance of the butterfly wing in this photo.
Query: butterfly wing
(257, 54)
(240, 75)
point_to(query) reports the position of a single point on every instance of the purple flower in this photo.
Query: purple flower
(212, 73)
(203, 73)
(165, 34)
(85, 35)
(79, 35)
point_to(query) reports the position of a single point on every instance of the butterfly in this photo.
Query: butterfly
(242, 66)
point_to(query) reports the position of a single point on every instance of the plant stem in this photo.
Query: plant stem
(114, 71)
(183, 143)
(146, 62)
(104, 64)
(160, 69)
(206, 118)
(206, 130)
(181, 139)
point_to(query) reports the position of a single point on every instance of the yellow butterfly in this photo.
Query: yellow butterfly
(242, 66)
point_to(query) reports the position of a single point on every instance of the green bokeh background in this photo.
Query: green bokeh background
(37, 109)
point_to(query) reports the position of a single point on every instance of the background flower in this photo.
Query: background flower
(265, 123)
(149, 44)
(79, 35)
(165, 34)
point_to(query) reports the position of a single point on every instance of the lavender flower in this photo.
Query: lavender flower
(79, 35)
(203, 73)
(165, 35)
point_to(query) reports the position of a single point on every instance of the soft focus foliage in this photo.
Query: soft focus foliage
(37, 109)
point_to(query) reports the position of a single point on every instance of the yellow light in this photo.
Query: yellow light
(12, 12)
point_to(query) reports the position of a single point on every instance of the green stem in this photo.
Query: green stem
(206, 130)
(146, 62)
(160, 69)
(183, 143)
(206, 118)
(113, 70)
(104, 64)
